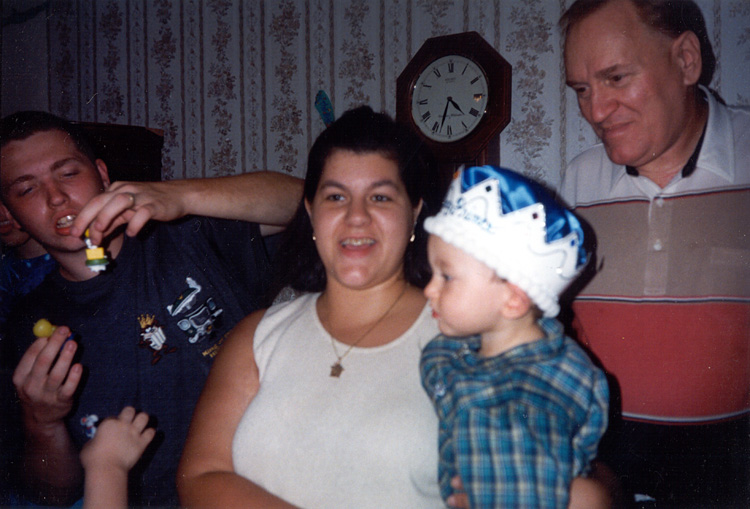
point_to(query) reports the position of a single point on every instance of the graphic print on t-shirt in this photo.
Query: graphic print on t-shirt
(89, 424)
(198, 320)
(153, 337)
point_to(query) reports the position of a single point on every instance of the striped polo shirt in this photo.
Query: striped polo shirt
(667, 311)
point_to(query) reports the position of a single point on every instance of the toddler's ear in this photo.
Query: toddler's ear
(518, 303)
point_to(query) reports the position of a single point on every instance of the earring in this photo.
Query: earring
(314, 237)
(413, 236)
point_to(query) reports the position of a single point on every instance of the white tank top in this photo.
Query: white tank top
(366, 439)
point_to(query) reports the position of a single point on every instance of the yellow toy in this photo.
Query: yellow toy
(96, 260)
(43, 329)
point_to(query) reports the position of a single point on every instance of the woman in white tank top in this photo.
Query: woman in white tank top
(317, 402)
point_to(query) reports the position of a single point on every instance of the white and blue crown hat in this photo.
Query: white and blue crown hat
(514, 226)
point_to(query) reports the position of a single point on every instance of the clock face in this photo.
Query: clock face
(449, 98)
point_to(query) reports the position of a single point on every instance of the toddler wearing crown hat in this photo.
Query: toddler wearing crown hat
(521, 406)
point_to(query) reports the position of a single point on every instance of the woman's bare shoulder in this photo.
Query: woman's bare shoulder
(237, 347)
(248, 324)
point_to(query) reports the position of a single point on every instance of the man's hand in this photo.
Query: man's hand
(264, 197)
(46, 381)
(131, 203)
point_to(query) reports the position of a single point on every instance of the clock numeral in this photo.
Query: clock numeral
(426, 116)
(448, 131)
(435, 127)
(475, 80)
(450, 66)
(437, 72)
(478, 97)
(422, 102)
(465, 126)
(473, 112)
(464, 71)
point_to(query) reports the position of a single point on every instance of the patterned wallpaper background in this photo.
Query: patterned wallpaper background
(232, 82)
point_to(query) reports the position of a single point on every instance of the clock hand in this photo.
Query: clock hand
(445, 112)
(450, 99)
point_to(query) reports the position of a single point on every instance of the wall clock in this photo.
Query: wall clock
(455, 94)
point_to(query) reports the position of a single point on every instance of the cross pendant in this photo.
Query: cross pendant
(336, 369)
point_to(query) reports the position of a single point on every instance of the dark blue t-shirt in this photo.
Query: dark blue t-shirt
(149, 327)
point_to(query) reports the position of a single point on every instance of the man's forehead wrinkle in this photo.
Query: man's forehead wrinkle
(603, 73)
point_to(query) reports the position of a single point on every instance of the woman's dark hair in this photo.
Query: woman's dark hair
(362, 131)
(20, 125)
(670, 17)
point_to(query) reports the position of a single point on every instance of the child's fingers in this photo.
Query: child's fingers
(141, 421)
(148, 435)
(127, 414)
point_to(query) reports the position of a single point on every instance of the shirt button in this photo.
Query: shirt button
(659, 201)
(658, 245)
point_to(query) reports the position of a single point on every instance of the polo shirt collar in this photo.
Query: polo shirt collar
(717, 154)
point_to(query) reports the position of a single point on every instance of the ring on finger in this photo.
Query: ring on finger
(132, 199)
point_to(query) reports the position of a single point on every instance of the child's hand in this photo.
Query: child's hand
(459, 499)
(119, 442)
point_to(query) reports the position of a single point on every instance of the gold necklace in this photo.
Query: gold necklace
(336, 367)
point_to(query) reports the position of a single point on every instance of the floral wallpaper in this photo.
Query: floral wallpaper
(232, 83)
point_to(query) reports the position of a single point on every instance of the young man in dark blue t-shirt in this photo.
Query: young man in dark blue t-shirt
(146, 328)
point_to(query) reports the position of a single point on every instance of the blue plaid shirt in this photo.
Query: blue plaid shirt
(517, 427)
